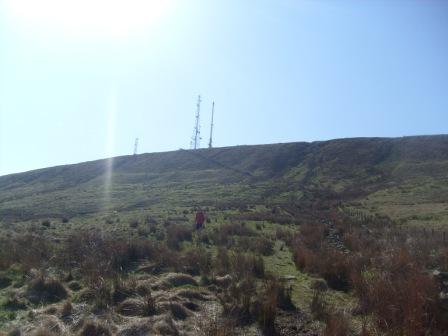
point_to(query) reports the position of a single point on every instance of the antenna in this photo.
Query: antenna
(210, 144)
(135, 146)
(196, 138)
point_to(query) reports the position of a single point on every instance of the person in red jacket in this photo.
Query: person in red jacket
(200, 219)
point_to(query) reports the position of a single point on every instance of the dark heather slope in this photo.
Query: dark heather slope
(273, 173)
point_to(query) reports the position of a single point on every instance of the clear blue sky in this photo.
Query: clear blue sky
(81, 82)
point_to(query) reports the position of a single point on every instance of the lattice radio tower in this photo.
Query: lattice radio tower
(210, 143)
(196, 138)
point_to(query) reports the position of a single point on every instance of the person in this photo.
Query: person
(200, 219)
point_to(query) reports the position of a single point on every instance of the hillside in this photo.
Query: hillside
(386, 174)
(298, 239)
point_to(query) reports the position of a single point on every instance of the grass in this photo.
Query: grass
(281, 264)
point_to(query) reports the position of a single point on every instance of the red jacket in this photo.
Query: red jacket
(200, 218)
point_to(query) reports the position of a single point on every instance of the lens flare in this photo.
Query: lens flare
(110, 147)
(88, 18)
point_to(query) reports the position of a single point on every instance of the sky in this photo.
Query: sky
(80, 80)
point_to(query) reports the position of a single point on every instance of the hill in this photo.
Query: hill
(322, 238)
(404, 177)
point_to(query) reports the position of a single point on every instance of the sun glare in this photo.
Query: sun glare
(90, 18)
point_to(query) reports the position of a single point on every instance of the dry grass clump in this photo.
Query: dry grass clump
(41, 290)
(257, 245)
(319, 306)
(132, 307)
(123, 288)
(238, 298)
(137, 329)
(403, 299)
(211, 324)
(43, 332)
(176, 234)
(28, 250)
(142, 306)
(223, 236)
(92, 328)
(14, 302)
(196, 261)
(99, 294)
(103, 256)
(242, 265)
(265, 308)
(337, 324)
(165, 326)
(386, 269)
(243, 303)
(332, 265)
(284, 234)
(67, 309)
(177, 280)
(178, 311)
(312, 235)
(222, 262)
